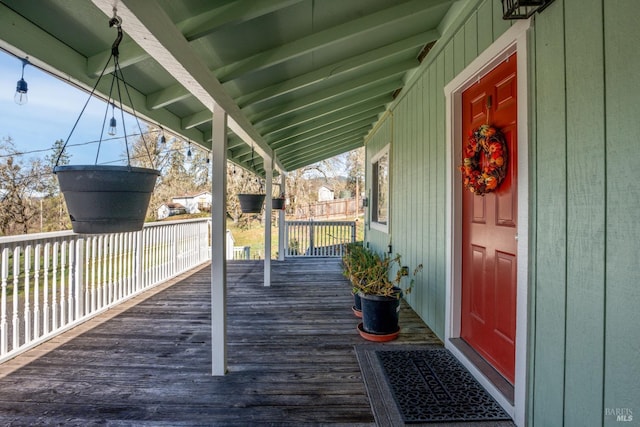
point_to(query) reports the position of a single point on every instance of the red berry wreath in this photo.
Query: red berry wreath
(481, 176)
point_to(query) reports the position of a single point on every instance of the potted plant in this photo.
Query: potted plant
(380, 296)
(356, 262)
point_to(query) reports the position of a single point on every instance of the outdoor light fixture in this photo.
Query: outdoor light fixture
(522, 9)
(189, 150)
(163, 139)
(21, 88)
(112, 123)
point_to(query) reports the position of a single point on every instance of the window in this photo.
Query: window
(380, 190)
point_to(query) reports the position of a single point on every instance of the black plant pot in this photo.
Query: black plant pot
(357, 305)
(251, 203)
(277, 203)
(357, 301)
(106, 199)
(380, 314)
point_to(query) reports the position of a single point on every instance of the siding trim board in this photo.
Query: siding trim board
(515, 39)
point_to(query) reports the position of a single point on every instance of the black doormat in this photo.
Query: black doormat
(425, 385)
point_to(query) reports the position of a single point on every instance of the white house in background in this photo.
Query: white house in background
(195, 203)
(325, 193)
(168, 209)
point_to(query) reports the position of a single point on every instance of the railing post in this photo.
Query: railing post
(4, 346)
(311, 238)
(16, 283)
(78, 271)
(139, 252)
(353, 232)
(27, 310)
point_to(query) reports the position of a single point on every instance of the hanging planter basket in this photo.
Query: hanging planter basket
(251, 203)
(106, 199)
(278, 203)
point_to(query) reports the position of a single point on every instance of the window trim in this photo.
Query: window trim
(380, 226)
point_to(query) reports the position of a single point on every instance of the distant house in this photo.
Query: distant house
(169, 209)
(325, 193)
(195, 203)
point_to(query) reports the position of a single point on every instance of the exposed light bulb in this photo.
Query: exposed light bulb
(20, 97)
(112, 126)
(112, 123)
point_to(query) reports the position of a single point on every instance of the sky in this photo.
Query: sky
(52, 109)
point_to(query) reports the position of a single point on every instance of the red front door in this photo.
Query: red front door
(488, 320)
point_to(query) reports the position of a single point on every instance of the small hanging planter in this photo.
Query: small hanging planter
(101, 198)
(106, 199)
(251, 203)
(278, 203)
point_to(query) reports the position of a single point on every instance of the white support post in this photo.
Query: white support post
(268, 170)
(281, 220)
(218, 244)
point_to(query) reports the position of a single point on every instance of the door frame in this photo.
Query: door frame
(514, 40)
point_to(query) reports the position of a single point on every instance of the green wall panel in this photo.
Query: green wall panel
(585, 212)
(551, 252)
(622, 270)
(584, 340)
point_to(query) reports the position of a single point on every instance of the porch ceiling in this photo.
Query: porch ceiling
(302, 80)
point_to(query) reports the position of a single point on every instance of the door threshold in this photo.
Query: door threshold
(501, 384)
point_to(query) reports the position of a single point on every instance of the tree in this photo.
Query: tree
(17, 188)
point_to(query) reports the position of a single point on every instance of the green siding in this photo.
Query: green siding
(550, 253)
(585, 211)
(584, 244)
(622, 226)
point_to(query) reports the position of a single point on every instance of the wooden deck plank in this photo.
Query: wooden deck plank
(290, 354)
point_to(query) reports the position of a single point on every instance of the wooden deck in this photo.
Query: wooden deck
(290, 355)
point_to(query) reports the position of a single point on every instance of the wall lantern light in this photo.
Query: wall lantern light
(20, 97)
(522, 9)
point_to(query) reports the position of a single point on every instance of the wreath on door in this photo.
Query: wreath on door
(482, 176)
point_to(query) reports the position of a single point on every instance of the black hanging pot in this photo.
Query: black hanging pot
(106, 199)
(251, 203)
(277, 203)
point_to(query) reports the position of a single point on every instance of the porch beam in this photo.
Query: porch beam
(219, 242)
(338, 68)
(320, 135)
(328, 37)
(334, 151)
(382, 93)
(326, 142)
(325, 123)
(310, 118)
(232, 13)
(393, 73)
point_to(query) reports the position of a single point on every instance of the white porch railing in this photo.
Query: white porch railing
(318, 238)
(51, 282)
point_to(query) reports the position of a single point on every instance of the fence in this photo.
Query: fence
(329, 209)
(54, 281)
(318, 238)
